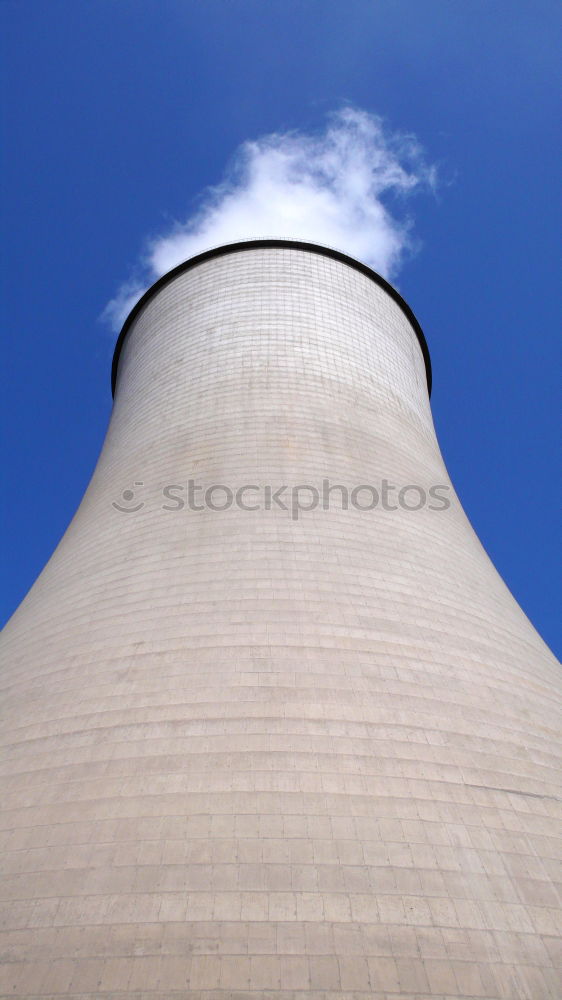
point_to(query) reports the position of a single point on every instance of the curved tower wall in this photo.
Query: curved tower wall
(257, 755)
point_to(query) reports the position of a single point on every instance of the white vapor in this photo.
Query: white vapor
(326, 188)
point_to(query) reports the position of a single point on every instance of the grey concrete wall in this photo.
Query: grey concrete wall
(247, 755)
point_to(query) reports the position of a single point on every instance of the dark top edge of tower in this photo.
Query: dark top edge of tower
(278, 244)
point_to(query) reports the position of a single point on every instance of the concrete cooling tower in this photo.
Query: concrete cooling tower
(275, 728)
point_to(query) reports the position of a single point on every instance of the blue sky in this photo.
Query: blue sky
(121, 112)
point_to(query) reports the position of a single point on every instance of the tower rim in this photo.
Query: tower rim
(271, 243)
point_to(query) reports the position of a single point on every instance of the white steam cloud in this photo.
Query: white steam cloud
(328, 188)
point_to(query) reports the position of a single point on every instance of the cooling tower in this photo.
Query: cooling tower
(275, 727)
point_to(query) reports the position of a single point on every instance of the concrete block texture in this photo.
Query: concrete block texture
(293, 755)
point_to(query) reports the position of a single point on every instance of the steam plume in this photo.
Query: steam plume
(331, 188)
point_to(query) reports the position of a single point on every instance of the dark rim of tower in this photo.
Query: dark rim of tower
(256, 244)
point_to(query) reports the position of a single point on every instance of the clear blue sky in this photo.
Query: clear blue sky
(121, 111)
